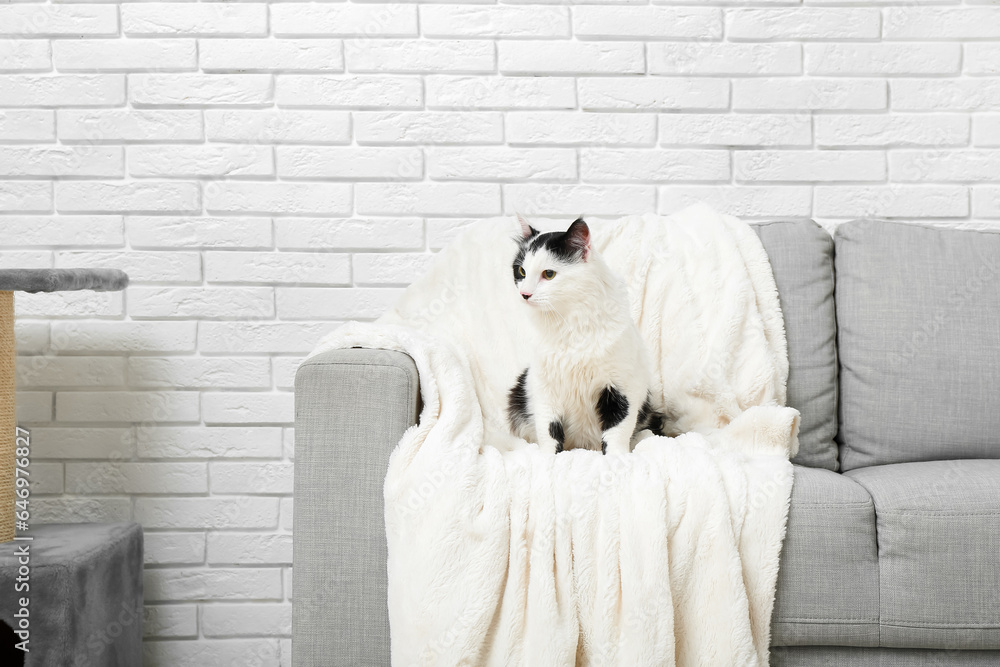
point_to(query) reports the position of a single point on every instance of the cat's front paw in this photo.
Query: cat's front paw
(550, 447)
(614, 446)
(556, 437)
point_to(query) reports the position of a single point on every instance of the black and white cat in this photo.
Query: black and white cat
(589, 379)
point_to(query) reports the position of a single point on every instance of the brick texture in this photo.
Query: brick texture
(267, 170)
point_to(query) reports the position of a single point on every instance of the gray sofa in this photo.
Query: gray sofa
(892, 555)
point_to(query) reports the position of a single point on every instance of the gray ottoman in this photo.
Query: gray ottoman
(84, 591)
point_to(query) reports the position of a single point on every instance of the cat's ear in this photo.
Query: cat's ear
(578, 238)
(527, 231)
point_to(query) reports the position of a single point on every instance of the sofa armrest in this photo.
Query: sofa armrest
(351, 407)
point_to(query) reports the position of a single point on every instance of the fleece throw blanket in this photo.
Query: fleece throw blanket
(500, 554)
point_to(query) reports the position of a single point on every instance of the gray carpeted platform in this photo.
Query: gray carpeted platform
(61, 280)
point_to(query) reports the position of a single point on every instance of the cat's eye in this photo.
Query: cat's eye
(548, 274)
(520, 271)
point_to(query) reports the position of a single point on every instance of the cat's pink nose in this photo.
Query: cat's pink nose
(526, 296)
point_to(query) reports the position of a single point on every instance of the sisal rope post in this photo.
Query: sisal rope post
(8, 420)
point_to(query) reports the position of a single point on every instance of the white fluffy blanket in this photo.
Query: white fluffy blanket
(502, 555)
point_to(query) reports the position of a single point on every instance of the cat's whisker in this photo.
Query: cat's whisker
(555, 311)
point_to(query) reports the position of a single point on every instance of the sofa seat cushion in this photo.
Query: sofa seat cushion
(801, 257)
(919, 343)
(828, 579)
(843, 656)
(939, 552)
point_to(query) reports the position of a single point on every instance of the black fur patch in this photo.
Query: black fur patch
(517, 403)
(557, 243)
(612, 408)
(649, 417)
(604, 447)
(522, 249)
(557, 433)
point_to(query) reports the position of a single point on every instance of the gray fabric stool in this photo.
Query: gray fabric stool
(85, 592)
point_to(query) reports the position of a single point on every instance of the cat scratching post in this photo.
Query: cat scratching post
(30, 280)
(7, 416)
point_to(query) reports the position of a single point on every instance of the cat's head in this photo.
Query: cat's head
(549, 268)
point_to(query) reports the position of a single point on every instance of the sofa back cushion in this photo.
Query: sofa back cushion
(801, 255)
(918, 311)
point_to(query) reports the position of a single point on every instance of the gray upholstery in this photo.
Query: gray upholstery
(837, 656)
(801, 256)
(918, 311)
(85, 594)
(828, 582)
(939, 552)
(351, 407)
(60, 280)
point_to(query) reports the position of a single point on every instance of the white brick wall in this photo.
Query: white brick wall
(265, 171)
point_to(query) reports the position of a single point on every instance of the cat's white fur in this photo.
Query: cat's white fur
(586, 341)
